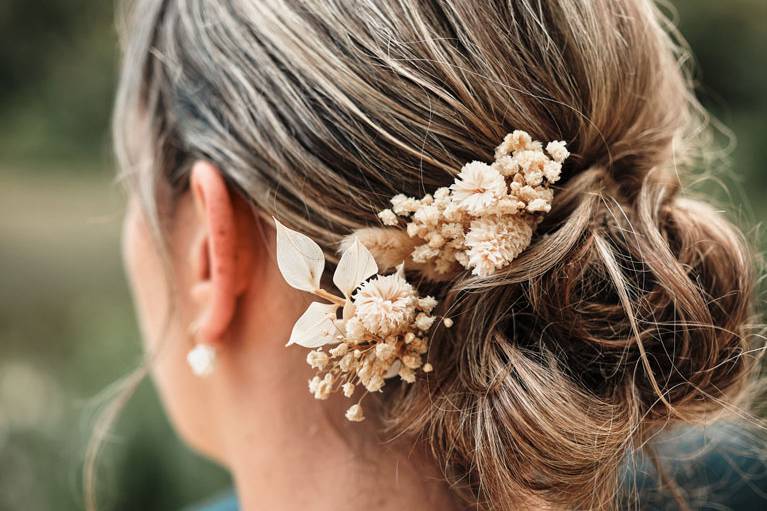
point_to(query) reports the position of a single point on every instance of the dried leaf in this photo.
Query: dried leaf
(315, 327)
(300, 259)
(356, 265)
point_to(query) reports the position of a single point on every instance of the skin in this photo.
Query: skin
(254, 414)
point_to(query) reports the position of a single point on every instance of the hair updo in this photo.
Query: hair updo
(629, 311)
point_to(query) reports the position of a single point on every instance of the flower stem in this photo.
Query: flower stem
(329, 297)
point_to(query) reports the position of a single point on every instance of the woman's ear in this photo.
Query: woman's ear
(220, 261)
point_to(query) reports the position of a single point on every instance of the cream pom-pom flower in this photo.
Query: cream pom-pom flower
(385, 304)
(494, 243)
(477, 187)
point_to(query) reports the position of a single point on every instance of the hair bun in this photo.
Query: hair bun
(637, 315)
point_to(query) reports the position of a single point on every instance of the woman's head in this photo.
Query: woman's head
(628, 311)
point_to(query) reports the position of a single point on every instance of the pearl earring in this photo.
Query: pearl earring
(202, 359)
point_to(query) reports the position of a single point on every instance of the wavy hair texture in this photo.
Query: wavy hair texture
(633, 308)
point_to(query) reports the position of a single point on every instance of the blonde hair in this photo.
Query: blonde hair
(630, 311)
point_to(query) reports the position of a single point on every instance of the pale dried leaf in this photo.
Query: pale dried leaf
(356, 265)
(315, 327)
(300, 259)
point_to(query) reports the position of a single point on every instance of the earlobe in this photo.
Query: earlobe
(215, 256)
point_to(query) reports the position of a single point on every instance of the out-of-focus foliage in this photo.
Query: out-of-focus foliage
(729, 43)
(57, 76)
(66, 322)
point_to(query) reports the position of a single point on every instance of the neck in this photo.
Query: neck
(289, 451)
(298, 466)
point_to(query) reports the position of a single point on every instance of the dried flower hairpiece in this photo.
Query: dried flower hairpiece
(483, 221)
(381, 329)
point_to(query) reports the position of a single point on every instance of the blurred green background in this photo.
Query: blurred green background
(66, 322)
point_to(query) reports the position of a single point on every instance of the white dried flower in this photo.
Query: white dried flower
(516, 141)
(423, 253)
(428, 215)
(427, 303)
(388, 217)
(436, 240)
(317, 359)
(534, 177)
(530, 160)
(423, 321)
(340, 350)
(492, 244)
(347, 362)
(506, 166)
(416, 230)
(552, 171)
(453, 213)
(447, 322)
(462, 258)
(348, 389)
(398, 200)
(407, 374)
(558, 150)
(412, 361)
(538, 206)
(384, 351)
(409, 337)
(477, 187)
(385, 304)
(442, 194)
(324, 387)
(355, 414)
(509, 206)
(364, 371)
(427, 368)
(403, 205)
(419, 346)
(375, 383)
(314, 383)
(452, 231)
(355, 330)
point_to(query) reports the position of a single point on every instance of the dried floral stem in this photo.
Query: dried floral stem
(329, 297)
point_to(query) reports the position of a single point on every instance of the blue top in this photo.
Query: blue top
(224, 502)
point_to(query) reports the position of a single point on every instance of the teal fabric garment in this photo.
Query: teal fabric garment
(718, 468)
(225, 502)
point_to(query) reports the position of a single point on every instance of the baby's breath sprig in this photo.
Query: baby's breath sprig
(382, 329)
